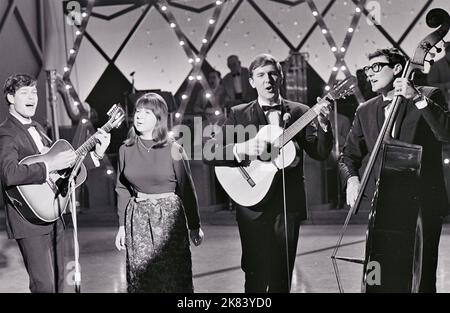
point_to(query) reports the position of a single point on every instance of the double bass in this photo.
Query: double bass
(394, 237)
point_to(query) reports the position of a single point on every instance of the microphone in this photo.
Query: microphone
(286, 117)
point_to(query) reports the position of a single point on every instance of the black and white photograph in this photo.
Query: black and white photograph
(233, 149)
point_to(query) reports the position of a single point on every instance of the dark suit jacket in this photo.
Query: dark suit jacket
(16, 143)
(248, 92)
(312, 139)
(428, 127)
(439, 76)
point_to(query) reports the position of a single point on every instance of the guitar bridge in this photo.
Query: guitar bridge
(247, 177)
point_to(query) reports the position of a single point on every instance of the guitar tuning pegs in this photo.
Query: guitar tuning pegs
(112, 109)
(431, 62)
(438, 50)
(432, 55)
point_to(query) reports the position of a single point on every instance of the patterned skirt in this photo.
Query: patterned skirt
(157, 241)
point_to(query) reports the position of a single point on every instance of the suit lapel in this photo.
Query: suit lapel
(244, 82)
(45, 139)
(258, 117)
(380, 113)
(284, 108)
(400, 117)
(25, 131)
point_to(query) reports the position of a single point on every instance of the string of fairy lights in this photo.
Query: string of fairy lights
(73, 52)
(338, 52)
(342, 51)
(196, 60)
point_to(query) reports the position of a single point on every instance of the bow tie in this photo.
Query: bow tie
(276, 107)
(32, 124)
(236, 74)
(386, 103)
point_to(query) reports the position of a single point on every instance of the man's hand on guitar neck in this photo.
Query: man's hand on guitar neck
(323, 113)
(103, 139)
(61, 161)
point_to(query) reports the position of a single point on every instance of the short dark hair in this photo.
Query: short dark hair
(232, 56)
(263, 60)
(15, 82)
(393, 56)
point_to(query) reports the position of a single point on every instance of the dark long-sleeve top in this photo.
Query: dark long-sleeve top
(146, 168)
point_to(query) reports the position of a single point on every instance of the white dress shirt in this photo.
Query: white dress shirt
(273, 117)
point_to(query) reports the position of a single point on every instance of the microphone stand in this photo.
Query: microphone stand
(133, 92)
(285, 117)
(77, 274)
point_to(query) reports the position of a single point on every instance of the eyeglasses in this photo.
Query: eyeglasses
(375, 67)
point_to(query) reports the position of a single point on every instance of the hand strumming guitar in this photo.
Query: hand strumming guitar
(62, 160)
(252, 148)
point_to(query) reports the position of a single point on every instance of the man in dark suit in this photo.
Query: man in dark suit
(262, 227)
(423, 120)
(236, 84)
(42, 246)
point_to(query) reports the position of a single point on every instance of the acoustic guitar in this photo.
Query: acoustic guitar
(45, 203)
(250, 185)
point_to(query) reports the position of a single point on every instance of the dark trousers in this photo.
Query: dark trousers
(432, 226)
(264, 253)
(43, 257)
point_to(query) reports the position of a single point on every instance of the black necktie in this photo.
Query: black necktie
(271, 107)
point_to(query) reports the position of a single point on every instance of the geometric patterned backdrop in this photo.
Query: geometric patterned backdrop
(22, 45)
(138, 36)
(335, 33)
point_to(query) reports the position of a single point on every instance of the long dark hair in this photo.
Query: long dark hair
(158, 106)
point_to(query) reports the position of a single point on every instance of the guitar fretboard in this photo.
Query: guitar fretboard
(297, 126)
(90, 143)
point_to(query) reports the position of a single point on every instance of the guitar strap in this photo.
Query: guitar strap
(45, 139)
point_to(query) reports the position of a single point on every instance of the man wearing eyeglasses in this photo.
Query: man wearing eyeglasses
(424, 120)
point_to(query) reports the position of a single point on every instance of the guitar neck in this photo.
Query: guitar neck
(90, 143)
(297, 126)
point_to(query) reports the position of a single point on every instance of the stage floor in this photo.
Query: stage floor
(216, 263)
